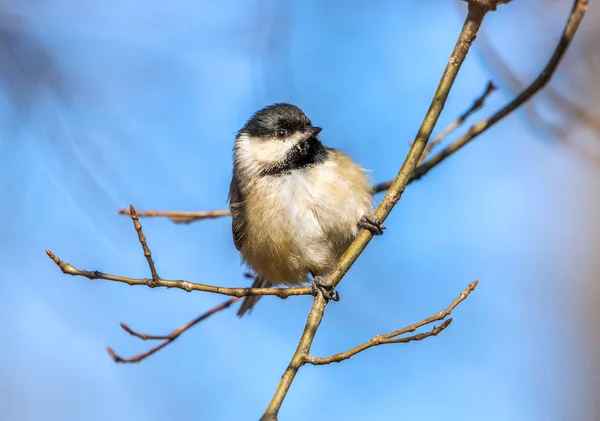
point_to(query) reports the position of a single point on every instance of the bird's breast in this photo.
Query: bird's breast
(287, 207)
(301, 222)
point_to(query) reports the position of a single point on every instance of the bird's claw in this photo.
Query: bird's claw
(326, 290)
(372, 224)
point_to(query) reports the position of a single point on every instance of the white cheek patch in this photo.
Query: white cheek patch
(265, 151)
(268, 151)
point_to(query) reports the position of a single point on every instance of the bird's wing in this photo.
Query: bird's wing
(238, 214)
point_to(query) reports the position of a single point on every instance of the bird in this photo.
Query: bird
(296, 204)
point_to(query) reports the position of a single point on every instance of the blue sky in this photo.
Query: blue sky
(153, 96)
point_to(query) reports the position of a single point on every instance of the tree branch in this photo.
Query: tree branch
(181, 217)
(475, 16)
(167, 339)
(575, 18)
(562, 102)
(392, 337)
(157, 281)
(142, 238)
(516, 86)
(477, 105)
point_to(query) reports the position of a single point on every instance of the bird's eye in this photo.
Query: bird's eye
(281, 133)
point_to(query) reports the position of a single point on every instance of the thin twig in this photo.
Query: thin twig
(515, 86)
(142, 238)
(179, 284)
(173, 335)
(392, 337)
(180, 217)
(157, 281)
(575, 18)
(476, 106)
(167, 339)
(497, 63)
(69, 269)
(467, 35)
(563, 103)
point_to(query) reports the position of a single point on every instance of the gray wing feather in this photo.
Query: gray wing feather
(238, 228)
(249, 302)
(238, 214)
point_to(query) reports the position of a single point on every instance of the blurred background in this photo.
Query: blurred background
(106, 104)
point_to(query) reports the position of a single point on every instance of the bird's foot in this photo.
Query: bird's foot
(326, 290)
(372, 224)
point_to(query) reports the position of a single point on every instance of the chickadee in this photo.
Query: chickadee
(296, 205)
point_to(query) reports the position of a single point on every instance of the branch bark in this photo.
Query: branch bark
(156, 281)
(476, 106)
(562, 102)
(475, 16)
(181, 217)
(392, 337)
(575, 18)
(167, 339)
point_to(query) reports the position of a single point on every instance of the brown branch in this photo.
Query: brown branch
(562, 102)
(69, 269)
(171, 336)
(142, 238)
(392, 337)
(575, 18)
(167, 339)
(157, 281)
(476, 106)
(473, 21)
(516, 85)
(181, 217)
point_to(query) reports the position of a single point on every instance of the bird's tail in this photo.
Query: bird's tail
(249, 302)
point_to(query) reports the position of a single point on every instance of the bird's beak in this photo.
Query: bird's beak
(312, 131)
(315, 131)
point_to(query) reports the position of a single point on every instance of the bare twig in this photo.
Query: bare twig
(147, 254)
(173, 335)
(575, 18)
(181, 217)
(476, 106)
(562, 102)
(179, 284)
(157, 281)
(167, 339)
(392, 337)
(467, 35)
(516, 85)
